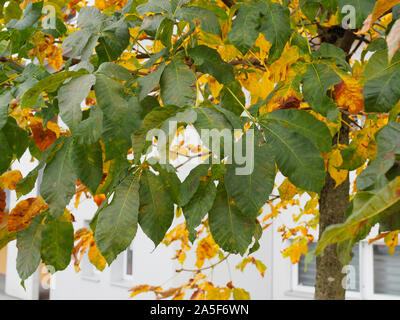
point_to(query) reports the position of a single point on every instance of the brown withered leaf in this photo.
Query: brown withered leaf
(22, 214)
(3, 203)
(43, 138)
(290, 102)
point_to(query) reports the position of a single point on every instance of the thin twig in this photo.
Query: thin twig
(205, 268)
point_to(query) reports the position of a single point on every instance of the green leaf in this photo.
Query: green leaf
(363, 8)
(70, 97)
(154, 6)
(88, 164)
(250, 187)
(13, 11)
(32, 13)
(303, 123)
(316, 81)
(109, 95)
(153, 120)
(200, 17)
(82, 43)
(57, 243)
(275, 27)
(113, 70)
(48, 84)
(232, 98)
(17, 137)
(245, 27)
(117, 222)
(382, 201)
(113, 42)
(388, 140)
(177, 83)
(310, 8)
(58, 184)
(151, 24)
(380, 91)
(91, 18)
(199, 205)
(117, 136)
(156, 210)
(167, 175)
(209, 61)
(6, 237)
(29, 243)
(148, 83)
(89, 130)
(296, 157)
(6, 153)
(231, 229)
(212, 126)
(330, 51)
(165, 31)
(5, 99)
(27, 184)
(190, 185)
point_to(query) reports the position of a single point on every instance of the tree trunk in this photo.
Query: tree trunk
(333, 203)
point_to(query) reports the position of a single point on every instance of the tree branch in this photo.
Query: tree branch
(228, 3)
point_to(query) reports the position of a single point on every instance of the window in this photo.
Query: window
(372, 274)
(122, 269)
(128, 263)
(307, 278)
(386, 271)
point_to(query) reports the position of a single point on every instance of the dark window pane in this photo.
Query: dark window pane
(308, 278)
(2, 282)
(129, 261)
(386, 271)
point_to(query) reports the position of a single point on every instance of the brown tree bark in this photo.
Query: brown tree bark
(333, 203)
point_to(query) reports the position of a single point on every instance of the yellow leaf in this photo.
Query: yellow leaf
(206, 249)
(10, 178)
(280, 70)
(228, 52)
(53, 127)
(349, 95)
(95, 257)
(139, 289)
(381, 6)
(240, 294)
(216, 293)
(55, 57)
(99, 198)
(295, 250)
(287, 190)
(336, 160)
(258, 85)
(391, 240)
(260, 267)
(21, 215)
(215, 87)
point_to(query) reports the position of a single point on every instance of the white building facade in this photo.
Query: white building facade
(373, 273)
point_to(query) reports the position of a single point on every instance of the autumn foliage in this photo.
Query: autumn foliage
(79, 98)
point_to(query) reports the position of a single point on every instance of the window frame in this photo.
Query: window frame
(296, 287)
(125, 275)
(366, 276)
